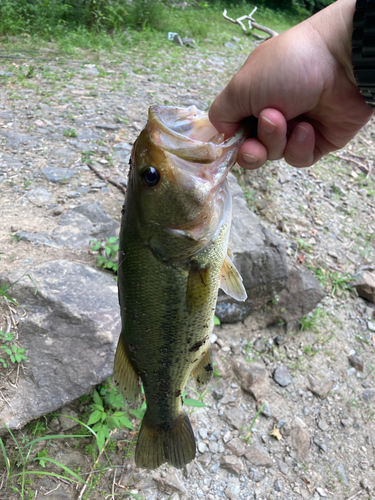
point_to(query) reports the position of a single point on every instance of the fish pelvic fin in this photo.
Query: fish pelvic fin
(202, 373)
(125, 377)
(198, 287)
(156, 445)
(231, 281)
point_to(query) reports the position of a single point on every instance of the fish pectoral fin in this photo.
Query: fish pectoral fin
(198, 287)
(231, 281)
(202, 373)
(126, 378)
(174, 444)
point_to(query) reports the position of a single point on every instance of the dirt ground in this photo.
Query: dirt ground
(63, 111)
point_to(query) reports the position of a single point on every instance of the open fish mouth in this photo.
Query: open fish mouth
(197, 148)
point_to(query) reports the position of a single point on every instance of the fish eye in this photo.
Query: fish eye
(150, 177)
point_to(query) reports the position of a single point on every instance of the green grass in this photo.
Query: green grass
(334, 282)
(21, 465)
(312, 320)
(205, 24)
(248, 435)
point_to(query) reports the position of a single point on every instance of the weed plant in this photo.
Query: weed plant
(248, 435)
(20, 464)
(108, 253)
(312, 320)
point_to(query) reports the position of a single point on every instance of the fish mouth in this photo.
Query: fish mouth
(195, 146)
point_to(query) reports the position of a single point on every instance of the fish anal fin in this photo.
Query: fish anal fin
(202, 373)
(126, 378)
(174, 444)
(231, 281)
(198, 287)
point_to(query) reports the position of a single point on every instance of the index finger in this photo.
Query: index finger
(227, 111)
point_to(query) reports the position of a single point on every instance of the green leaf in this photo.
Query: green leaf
(112, 239)
(95, 245)
(97, 399)
(117, 401)
(95, 417)
(125, 422)
(138, 413)
(116, 422)
(194, 402)
(216, 321)
(102, 434)
(97, 427)
(97, 407)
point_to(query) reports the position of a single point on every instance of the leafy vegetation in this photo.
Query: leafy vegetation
(107, 257)
(15, 353)
(107, 414)
(117, 23)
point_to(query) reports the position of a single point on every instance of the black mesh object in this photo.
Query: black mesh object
(363, 49)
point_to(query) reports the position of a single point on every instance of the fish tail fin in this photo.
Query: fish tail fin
(126, 379)
(202, 373)
(156, 445)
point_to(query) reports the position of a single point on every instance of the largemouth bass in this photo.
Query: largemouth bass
(172, 260)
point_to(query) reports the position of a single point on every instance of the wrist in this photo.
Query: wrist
(335, 25)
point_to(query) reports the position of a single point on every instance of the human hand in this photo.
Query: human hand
(301, 87)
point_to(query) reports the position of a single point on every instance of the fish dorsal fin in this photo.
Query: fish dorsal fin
(231, 281)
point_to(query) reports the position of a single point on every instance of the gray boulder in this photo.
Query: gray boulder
(76, 228)
(69, 334)
(301, 295)
(259, 256)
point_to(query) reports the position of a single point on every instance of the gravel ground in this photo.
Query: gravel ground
(319, 403)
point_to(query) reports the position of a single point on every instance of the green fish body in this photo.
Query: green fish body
(172, 260)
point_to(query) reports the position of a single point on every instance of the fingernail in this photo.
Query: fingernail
(249, 158)
(300, 133)
(267, 125)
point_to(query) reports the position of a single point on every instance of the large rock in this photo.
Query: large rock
(259, 256)
(302, 293)
(76, 228)
(69, 334)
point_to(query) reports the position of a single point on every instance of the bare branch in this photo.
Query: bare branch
(265, 29)
(252, 24)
